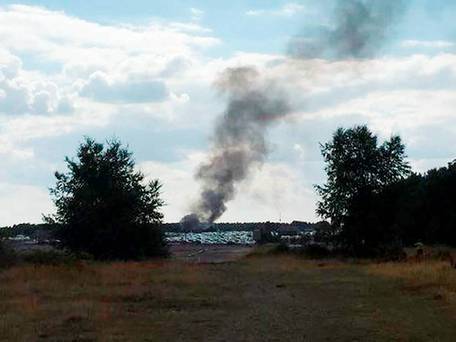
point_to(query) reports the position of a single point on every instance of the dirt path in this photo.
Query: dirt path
(284, 299)
(268, 298)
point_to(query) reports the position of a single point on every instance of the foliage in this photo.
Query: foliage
(357, 169)
(49, 257)
(282, 247)
(419, 208)
(268, 237)
(324, 233)
(7, 256)
(28, 229)
(316, 251)
(374, 209)
(103, 205)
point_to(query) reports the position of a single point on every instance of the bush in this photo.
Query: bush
(7, 256)
(282, 247)
(49, 257)
(316, 251)
(268, 237)
(393, 251)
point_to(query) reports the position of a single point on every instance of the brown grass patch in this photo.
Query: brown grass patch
(267, 298)
(435, 276)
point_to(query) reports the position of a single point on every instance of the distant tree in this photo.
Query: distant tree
(357, 168)
(104, 206)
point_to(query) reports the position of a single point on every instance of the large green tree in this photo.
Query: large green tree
(105, 207)
(357, 167)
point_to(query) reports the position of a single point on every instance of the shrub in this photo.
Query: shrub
(315, 251)
(49, 257)
(282, 247)
(7, 256)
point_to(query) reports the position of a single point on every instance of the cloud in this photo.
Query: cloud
(105, 63)
(192, 27)
(22, 92)
(287, 10)
(98, 71)
(23, 203)
(82, 42)
(18, 133)
(428, 44)
(196, 13)
(316, 85)
(99, 87)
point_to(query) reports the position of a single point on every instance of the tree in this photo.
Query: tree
(104, 207)
(422, 207)
(357, 168)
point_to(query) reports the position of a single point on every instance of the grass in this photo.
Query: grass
(432, 276)
(259, 298)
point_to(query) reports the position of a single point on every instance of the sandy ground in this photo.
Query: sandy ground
(198, 253)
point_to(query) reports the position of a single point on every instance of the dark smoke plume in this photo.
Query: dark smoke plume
(361, 27)
(239, 144)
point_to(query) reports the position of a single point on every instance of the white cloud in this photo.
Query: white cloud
(428, 44)
(101, 88)
(98, 72)
(22, 92)
(196, 13)
(287, 10)
(106, 63)
(17, 134)
(82, 42)
(23, 203)
(300, 150)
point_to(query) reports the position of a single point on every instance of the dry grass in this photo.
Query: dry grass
(436, 277)
(83, 301)
(260, 298)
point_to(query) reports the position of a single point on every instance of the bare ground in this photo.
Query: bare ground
(261, 298)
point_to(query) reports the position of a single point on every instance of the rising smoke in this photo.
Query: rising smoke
(239, 142)
(255, 104)
(360, 29)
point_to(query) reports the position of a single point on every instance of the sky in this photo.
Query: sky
(144, 72)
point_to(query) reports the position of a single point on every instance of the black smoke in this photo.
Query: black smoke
(238, 142)
(359, 29)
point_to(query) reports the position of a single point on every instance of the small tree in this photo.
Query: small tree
(104, 207)
(357, 168)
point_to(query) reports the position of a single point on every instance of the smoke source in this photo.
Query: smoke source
(238, 143)
(254, 104)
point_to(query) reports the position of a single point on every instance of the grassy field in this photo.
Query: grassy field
(259, 298)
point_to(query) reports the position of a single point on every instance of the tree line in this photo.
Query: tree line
(373, 204)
